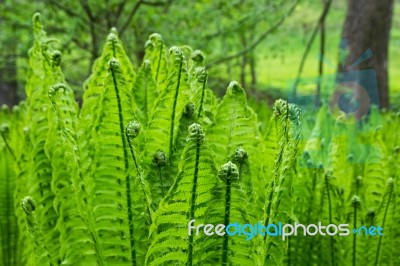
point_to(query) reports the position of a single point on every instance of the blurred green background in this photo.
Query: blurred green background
(259, 43)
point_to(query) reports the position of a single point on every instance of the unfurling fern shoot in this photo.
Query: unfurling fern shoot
(187, 199)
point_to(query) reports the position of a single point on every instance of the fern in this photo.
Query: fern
(113, 190)
(168, 107)
(8, 220)
(235, 250)
(164, 124)
(279, 206)
(117, 181)
(235, 127)
(187, 199)
(202, 96)
(384, 215)
(44, 72)
(94, 89)
(43, 256)
(156, 53)
(94, 86)
(355, 202)
(77, 237)
(145, 92)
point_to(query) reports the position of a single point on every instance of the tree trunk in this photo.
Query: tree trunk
(8, 66)
(367, 26)
(253, 72)
(244, 61)
(8, 79)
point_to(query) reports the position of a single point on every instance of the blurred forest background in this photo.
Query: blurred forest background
(264, 44)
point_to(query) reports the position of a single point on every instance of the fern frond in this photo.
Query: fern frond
(236, 127)
(113, 193)
(44, 71)
(386, 219)
(145, 92)
(203, 97)
(187, 199)
(94, 89)
(156, 53)
(236, 250)
(163, 125)
(279, 204)
(78, 244)
(42, 254)
(8, 220)
(94, 86)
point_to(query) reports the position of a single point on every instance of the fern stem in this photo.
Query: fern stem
(311, 206)
(277, 166)
(159, 62)
(202, 96)
(354, 237)
(355, 202)
(42, 252)
(193, 199)
(8, 224)
(128, 184)
(278, 163)
(146, 99)
(231, 125)
(269, 207)
(9, 148)
(172, 125)
(383, 225)
(288, 251)
(138, 173)
(161, 181)
(227, 215)
(330, 217)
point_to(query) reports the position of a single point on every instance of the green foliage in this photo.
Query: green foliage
(116, 181)
(187, 199)
(62, 149)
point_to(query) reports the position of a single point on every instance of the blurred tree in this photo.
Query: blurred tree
(227, 31)
(367, 26)
(8, 61)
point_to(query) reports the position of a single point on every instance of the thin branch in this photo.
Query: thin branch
(309, 44)
(248, 21)
(258, 41)
(135, 9)
(71, 13)
(120, 8)
(130, 16)
(321, 63)
(154, 3)
(110, 14)
(68, 11)
(87, 10)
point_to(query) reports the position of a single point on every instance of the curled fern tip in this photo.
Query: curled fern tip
(189, 110)
(56, 58)
(28, 205)
(133, 129)
(195, 130)
(198, 56)
(229, 169)
(160, 158)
